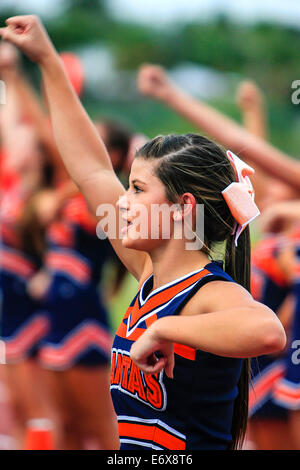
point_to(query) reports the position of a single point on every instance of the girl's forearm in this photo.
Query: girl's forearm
(31, 107)
(254, 121)
(78, 142)
(235, 137)
(32, 110)
(238, 332)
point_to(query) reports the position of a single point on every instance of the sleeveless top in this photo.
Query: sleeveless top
(194, 409)
(14, 262)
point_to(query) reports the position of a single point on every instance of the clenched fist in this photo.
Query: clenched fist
(29, 35)
(248, 95)
(153, 81)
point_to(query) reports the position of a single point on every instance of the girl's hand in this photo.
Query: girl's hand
(29, 35)
(153, 81)
(143, 353)
(248, 95)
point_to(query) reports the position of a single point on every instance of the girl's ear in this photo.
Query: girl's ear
(185, 207)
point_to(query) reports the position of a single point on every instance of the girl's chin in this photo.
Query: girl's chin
(136, 244)
(141, 244)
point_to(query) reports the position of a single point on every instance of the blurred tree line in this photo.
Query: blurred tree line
(266, 53)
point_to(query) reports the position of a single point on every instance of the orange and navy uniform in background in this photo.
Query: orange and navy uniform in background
(270, 287)
(287, 390)
(79, 331)
(194, 409)
(23, 323)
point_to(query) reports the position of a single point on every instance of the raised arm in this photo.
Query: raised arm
(78, 142)
(153, 82)
(251, 103)
(33, 111)
(13, 130)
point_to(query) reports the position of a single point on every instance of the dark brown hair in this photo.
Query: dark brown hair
(118, 138)
(30, 229)
(193, 163)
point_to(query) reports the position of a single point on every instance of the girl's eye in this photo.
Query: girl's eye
(136, 189)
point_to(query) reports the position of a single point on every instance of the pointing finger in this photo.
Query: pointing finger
(170, 366)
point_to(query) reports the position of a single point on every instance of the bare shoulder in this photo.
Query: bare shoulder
(218, 295)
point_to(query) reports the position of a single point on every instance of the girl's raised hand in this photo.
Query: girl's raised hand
(153, 81)
(29, 35)
(143, 351)
(248, 95)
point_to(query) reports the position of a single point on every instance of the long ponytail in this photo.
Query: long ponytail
(237, 265)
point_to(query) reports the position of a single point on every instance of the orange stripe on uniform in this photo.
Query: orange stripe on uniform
(185, 351)
(264, 385)
(167, 294)
(287, 392)
(151, 320)
(151, 433)
(122, 332)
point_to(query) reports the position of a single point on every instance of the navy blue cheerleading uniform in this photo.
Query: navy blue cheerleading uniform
(79, 332)
(270, 287)
(287, 390)
(23, 323)
(194, 409)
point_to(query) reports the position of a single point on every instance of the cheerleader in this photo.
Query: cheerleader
(179, 377)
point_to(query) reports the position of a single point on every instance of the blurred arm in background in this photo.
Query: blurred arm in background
(153, 81)
(31, 111)
(251, 103)
(24, 124)
(267, 189)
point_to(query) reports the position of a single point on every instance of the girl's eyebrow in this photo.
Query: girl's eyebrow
(137, 181)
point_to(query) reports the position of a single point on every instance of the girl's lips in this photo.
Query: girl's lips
(126, 227)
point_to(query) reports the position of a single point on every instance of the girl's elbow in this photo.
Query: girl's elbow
(274, 339)
(270, 333)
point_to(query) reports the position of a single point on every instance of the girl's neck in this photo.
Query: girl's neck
(173, 261)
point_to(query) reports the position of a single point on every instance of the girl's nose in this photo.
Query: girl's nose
(123, 203)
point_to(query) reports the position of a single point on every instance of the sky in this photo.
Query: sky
(287, 11)
(166, 11)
